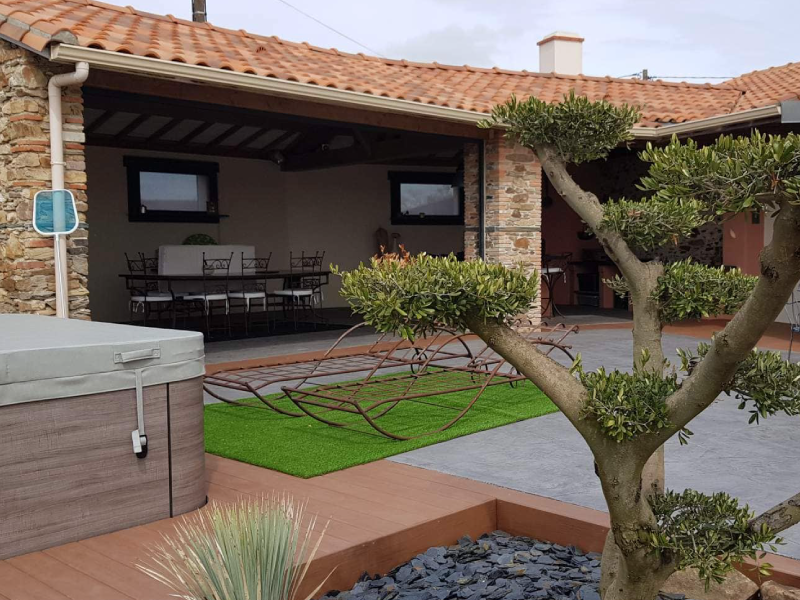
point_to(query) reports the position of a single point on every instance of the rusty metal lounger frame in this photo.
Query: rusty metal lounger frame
(382, 354)
(373, 398)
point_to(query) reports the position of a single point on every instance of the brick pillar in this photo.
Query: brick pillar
(27, 277)
(472, 183)
(513, 206)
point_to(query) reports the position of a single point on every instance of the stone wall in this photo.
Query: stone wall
(513, 206)
(472, 183)
(27, 282)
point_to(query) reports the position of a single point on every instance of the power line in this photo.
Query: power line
(693, 76)
(646, 76)
(336, 31)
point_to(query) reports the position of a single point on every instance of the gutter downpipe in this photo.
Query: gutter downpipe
(57, 167)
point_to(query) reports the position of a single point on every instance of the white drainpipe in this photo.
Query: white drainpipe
(57, 174)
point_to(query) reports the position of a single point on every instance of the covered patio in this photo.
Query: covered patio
(282, 186)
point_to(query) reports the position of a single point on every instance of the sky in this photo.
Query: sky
(686, 38)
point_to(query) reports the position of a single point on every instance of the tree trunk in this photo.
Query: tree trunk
(647, 336)
(629, 571)
(632, 579)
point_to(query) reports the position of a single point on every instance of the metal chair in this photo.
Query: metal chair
(252, 291)
(145, 294)
(214, 290)
(302, 289)
(554, 267)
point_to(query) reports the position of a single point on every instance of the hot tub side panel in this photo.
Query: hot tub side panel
(187, 445)
(68, 470)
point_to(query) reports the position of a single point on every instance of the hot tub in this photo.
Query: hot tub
(101, 428)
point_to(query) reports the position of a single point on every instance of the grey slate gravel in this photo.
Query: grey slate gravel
(495, 566)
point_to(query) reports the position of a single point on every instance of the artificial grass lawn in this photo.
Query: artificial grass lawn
(304, 447)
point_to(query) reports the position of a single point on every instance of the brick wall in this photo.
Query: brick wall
(472, 183)
(27, 282)
(513, 206)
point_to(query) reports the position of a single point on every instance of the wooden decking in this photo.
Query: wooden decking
(401, 506)
(381, 514)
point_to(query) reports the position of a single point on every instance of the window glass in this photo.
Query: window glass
(429, 199)
(174, 191)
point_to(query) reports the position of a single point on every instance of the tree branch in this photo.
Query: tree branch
(780, 272)
(588, 207)
(780, 517)
(552, 378)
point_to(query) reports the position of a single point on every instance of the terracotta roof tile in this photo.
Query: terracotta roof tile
(125, 29)
(768, 86)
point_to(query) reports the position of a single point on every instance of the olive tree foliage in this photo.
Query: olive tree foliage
(625, 418)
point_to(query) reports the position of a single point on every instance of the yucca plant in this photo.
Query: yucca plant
(252, 550)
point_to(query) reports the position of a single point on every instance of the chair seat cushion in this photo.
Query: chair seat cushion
(247, 295)
(293, 293)
(154, 297)
(206, 297)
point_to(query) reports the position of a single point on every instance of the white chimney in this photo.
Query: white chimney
(561, 52)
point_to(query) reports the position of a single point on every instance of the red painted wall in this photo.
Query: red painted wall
(560, 227)
(742, 242)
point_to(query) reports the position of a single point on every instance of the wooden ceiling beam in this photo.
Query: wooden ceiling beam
(232, 130)
(104, 117)
(194, 132)
(166, 108)
(251, 138)
(137, 121)
(165, 128)
(105, 141)
(394, 149)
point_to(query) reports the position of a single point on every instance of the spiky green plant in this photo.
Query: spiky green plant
(252, 550)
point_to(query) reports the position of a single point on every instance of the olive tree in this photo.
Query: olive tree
(625, 418)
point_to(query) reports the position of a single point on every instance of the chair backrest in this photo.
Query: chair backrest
(306, 270)
(215, 267)
(556, 261)
(142, 267)
(251, 267)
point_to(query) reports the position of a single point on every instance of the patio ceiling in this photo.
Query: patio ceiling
(294, 143)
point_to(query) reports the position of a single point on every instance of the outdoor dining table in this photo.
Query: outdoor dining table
(285, 275)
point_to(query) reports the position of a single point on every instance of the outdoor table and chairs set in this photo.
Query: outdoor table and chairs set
(185, 282)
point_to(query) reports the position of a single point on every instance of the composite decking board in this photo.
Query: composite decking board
(439, 500)
(124, 578)
(325, 508)
(417, 479)
(383, 491)
(330, 543)
(355, 498)
(65, 579)
(366, 508)
(18, 585)
(344, 529)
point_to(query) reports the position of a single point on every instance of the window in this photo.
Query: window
(426, 199)
(172, 190)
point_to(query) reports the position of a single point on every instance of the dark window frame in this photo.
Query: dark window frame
(396, 178)
(136, 164)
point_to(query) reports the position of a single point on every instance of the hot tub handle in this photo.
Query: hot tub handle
(139, 444)
(138, 435)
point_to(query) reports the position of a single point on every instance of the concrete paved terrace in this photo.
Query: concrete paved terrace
(759, 464)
